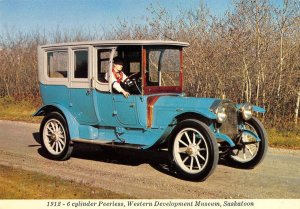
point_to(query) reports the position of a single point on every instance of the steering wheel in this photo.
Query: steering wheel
(131, 83)
(130, 80)
(132, 76)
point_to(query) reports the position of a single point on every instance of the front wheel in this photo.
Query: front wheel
(193, 150)
(55, 137)
(250, 152)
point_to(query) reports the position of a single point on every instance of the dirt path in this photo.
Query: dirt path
(144, 174)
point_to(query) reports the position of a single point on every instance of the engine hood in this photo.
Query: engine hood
(182, 104)
(186, 102)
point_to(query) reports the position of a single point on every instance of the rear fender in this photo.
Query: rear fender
(73, 125)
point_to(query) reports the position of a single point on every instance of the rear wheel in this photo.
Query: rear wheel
(55, 137)
(250, 152)
(193, 150)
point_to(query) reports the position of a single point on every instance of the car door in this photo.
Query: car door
(125, 110)
(81, 94)
(114, 110)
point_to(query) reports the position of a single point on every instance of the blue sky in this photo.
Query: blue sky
(26, 15)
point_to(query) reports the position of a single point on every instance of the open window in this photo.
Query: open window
(132, 58)
(131, 55)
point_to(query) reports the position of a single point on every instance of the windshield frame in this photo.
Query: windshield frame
(162, 89)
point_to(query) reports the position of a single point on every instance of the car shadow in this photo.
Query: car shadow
(124, 156)
(36, 137)
(158, 160)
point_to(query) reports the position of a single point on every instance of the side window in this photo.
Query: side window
(57, 64)
(81, 64)
(153, 62)
(170, 68)
(163, 67)
(103, 64)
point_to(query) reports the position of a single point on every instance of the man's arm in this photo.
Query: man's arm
(118, 87)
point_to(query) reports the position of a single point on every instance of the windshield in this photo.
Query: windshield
(163, 67)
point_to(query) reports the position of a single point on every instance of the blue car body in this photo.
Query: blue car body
(112, 118)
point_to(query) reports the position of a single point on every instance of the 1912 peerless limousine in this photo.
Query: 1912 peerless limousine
(80, 105)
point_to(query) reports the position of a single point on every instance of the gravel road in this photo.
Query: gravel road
(145, 174)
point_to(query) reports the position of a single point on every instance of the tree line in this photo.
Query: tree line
(250, 54)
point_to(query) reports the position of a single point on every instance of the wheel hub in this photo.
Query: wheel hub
(192, 150)
(53, 137)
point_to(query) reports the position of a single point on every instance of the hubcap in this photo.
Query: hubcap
(190, 150)
(53, 137)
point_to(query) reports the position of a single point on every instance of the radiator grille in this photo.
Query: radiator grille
(230, 126)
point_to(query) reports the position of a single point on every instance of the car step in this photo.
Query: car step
(109, 143)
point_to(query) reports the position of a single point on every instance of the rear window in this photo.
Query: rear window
(57, 64)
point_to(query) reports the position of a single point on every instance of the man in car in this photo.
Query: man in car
(117, 76)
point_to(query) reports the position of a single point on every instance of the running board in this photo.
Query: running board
(108, 143)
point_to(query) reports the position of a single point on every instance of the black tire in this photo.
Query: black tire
(187, 160)
(261, 147)
(55, 125)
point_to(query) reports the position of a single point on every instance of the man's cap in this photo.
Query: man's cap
(118, 61)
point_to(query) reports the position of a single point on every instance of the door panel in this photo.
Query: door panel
(125, 110)
(82, 106)
(104, 108)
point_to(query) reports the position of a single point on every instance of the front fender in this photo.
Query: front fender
(258, 109)
(203, 112)
(164, 118)
(73, 125)
(251, 133)
(254, 107)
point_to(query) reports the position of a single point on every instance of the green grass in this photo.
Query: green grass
(20, 184)
(11, 109)
(286, 138)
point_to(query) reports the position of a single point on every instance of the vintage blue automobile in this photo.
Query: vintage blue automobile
(79, 105)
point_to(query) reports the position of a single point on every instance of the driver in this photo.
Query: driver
(118, 76)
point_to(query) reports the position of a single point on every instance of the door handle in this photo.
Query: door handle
(88, 91)
(132, 105)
